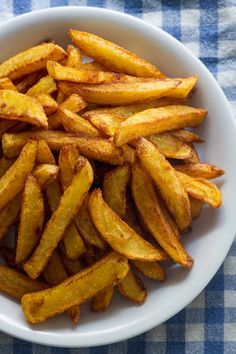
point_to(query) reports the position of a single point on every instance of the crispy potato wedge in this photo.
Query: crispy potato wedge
(69, 205)
(168, 216)
(73, 123)
(72, 267)
(170, 146)
(93, 148)
(29, 80)
(31, 60)
(158, 120)
(194, 157)
(94, 66)
(5, 164)
(86, 227)
(67, 160)
(167, 181)
(46, 85)
(74, 58)
(44, 154)
(106, 123)
(187, 137)
(117, 233)
(7, 84)
(200, 170)
(112, 55)
(114, 189)
(196, 207)
(152, 270)
(201, 189)
(147, 203)
(102, 300)
(9, 214)
(60, 97)
(16, 106)
(119, 93)
(17, 284)
(45, 174)
(185, 87)
(79, 288)
(31, 219)
(129, 153)
(132, 288)
(12, 182)
(48, 103)
(6, 125)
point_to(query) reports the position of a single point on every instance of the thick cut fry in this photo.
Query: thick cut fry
(129, 153)
(158, 120)
(17, 284)
(151, 270)
(117, 233)
(46, 85)
(45, 174)
(94, 66)
(72, 267)
(200, 170)
(187, 137)
(16, 106)
(132, 288)
(13, 181)
(31, 60)
(114, 189)
(170, 146)
(196, 207)
(201, 189)
(29, 80)
(48, 103)
(9, 214)
(54, 274)
(44, 154)
(69, 205)
(86, 227)
(74, 59)
(106, 123)
(92, 148)
(185, 87)
(102, 300)
(5, 164)
(149, 208)
(194, 157)
(75, 290)
(67, 160)
(167, 181)
(7, 84)
(31, 219)
(119, 93)
(6, 125)
(73, 123)
(112, 55)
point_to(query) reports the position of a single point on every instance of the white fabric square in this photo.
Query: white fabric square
(194, 332)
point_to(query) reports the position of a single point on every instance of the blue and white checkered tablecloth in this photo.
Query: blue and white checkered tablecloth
(208, 324)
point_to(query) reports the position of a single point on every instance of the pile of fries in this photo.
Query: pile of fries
(98, 173)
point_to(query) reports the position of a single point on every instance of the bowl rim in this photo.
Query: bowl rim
(150, 322)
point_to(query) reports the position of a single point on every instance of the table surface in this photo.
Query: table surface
(208, 29)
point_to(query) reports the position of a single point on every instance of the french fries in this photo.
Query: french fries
(200, 170)
(74, 58)
(7, 84)
(196, 207)
(152, 270)
(4, 165)
(16, 106)
(46, 85)
(102, 300)
(67, 160)
(45, 174)
(132, 288)
(187, 137)
(9, 213)
(44, 154)
(79, 288)
(48, 103)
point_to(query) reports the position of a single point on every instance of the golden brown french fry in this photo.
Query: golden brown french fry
(117, 233)
(196, 207)
(114, 189)
(94, 66)
(86, 227)
(46, 85)
(74, 59)
(6, 125)
(106, 123)
(200, 170)
(102, 300)
(129, 153)
(201, 189)
(28, 81)
(5, 164)
(187, 137)
(54, 231)
(16, 106)
(158, 120)
(93, 148)
(60, 97)
(185, 87)
(168, 216)
(67, 160)
(7, 84)
(167, 181)
(45, 174)
(119, 93)
(12, 182)
(31, 219)
(151, 270)
(194, 157)
(112, 55)
(44, 154)
(48, 103)
(31, 60)
(9, 214)
(78, 289)
(72, 267)
(73, 123)
(17, 284)
(170, 146)
(147, 203)
(132, 288)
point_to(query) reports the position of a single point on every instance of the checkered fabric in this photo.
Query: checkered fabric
(208, 29)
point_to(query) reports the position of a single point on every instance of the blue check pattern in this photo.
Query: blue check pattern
(208, 324)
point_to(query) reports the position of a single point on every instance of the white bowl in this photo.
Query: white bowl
(212, 233)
